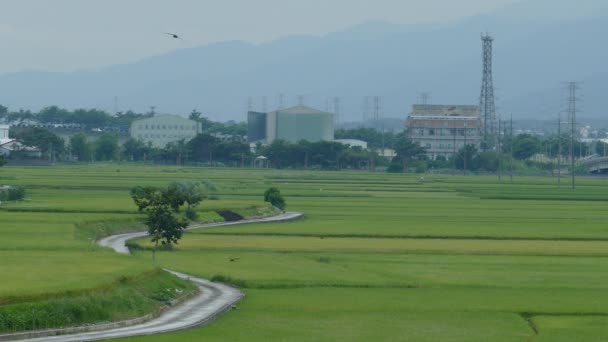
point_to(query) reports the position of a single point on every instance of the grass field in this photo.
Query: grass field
(378, 256)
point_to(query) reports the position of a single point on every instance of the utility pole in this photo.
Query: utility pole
(454, 154)
(559, 151)
(464, 150)
(337, 110)
(499, 151)
(511, 150)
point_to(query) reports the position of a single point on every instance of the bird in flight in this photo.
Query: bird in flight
(173, 35)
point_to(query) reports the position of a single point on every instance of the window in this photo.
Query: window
(428, 145)
(431, 131)
(421, 131)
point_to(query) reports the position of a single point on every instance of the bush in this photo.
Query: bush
(13, 193)
(191, 214)
(273, 195)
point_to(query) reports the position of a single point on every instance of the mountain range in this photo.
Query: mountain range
(539, 44)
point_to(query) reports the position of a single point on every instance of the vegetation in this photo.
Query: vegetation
(273, 196)
(451, 258)
(12, 193)
(2, 160)
(126, 298)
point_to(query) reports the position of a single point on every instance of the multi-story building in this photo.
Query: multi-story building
(292, 124)
(444, 129)
(160, 130)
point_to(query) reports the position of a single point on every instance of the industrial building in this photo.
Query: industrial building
(160, 130)
(291, 124)
(444, 129)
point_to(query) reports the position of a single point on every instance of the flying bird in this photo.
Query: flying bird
(173, 35)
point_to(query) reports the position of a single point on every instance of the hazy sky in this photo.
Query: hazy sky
(65, 35)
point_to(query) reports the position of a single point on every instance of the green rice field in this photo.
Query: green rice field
(383, 257)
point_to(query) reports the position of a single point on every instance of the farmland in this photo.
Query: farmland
(378, 256)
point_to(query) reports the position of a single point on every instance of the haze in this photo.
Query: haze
(68, 35)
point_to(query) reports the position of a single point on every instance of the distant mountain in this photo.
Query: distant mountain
(539, 44)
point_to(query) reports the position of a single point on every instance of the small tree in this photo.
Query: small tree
(163, 227)
(274, 197)
(2, 160)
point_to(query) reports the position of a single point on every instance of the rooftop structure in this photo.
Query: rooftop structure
(163, 129)
(444, 129)
(291, 124)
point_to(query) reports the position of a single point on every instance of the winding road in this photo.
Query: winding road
(212, 300)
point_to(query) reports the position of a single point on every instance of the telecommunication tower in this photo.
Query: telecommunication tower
(487, 103)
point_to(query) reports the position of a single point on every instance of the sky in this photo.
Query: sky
(70, 35)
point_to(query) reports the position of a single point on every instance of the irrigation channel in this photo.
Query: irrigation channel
(212, 300)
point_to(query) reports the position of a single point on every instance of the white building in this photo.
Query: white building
(4, 134)
(163, 129)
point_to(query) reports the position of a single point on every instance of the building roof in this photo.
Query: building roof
(16, 145)
(301, 110)
(445, 110)
(163, 116)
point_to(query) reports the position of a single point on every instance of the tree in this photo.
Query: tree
(525, 146)
(2, 160)
(195, 115)
(274, 197)
(3, 112)
(407, 151)
(106, 147)
(135, 150)
(488, 161)
(48, 142)
(465, 157)
(164, 227)
(80, 147)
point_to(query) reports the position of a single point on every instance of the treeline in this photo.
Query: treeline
(323, 155)
(84, 118)
(87, 119)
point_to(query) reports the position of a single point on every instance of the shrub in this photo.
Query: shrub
(191, 214)
(13, 193)
(273, 195)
